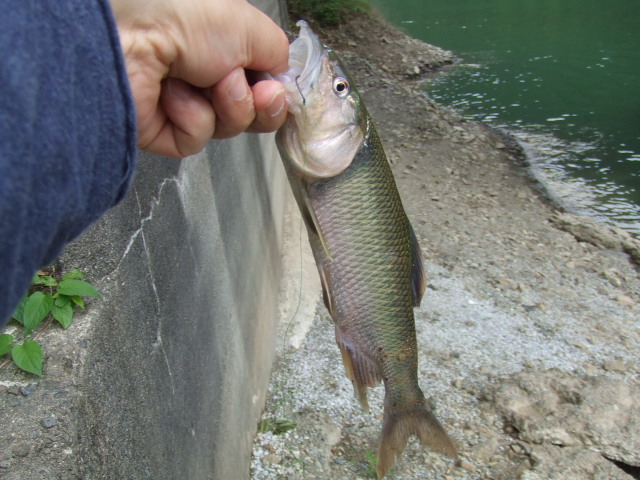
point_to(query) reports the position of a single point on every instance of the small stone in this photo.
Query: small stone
(624, 300)
(26, 391)
(49, 422)
(614, 366)
(486, 450)
(467, 466)
(271, 459)
(13, 390)
(21, 449)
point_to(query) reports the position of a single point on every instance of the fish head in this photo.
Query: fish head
(326, 123)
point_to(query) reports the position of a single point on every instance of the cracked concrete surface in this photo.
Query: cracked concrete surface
(165, 375)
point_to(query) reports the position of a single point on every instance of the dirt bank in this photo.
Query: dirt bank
(528, 332)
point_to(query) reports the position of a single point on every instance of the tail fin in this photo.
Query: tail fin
(397, 428)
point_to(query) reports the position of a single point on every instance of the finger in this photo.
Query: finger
(230, 33)
(232, 101)
(190, 120)
(268, 46)
(271, 106)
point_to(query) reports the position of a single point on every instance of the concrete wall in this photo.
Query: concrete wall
(165, 376)
(180, 350)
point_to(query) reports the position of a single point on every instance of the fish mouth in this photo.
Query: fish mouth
(305, 64)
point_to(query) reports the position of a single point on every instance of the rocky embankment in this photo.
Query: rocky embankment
(529, 331)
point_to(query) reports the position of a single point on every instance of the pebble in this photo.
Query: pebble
(13, 390)
(49, 422)
(467, 466)
(21, 449)
(624, 300)
(486, 450)
(271, 459)
(614, 366)
(26, 391)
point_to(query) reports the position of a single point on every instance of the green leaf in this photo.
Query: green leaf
(78, 301)
(74, 274)
(73, 287)
(38, 306)
(28, 357)
(61, 300)
(18, 313)
(46, 280)
(6, 340)
(63, 314)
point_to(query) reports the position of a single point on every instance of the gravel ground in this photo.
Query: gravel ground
(529, 329)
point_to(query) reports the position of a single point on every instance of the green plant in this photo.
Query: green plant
(372, 463)
(326, 12)
(277, 426)
(50, 296)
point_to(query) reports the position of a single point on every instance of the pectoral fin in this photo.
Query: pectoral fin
(299, 187)
(326, 289)
(311, 219)
(418, 277)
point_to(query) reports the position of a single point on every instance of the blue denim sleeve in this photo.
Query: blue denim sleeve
(67, 131)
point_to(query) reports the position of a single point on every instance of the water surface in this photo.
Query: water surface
(562, 75)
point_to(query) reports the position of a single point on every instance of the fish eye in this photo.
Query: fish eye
(341, 87)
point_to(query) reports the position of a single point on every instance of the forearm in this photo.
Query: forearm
(67, 136)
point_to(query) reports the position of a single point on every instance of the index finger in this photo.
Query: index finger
(267, 44)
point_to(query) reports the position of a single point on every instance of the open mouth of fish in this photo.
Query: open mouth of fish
(305, 64)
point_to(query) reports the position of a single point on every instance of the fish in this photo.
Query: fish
(367, 254)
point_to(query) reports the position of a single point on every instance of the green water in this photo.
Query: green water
(562, 75)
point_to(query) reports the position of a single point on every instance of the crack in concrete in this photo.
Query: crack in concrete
(158, 345)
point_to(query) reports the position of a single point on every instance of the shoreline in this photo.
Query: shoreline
(528, 331)
(396, 60)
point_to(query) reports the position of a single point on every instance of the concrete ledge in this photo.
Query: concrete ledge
(176, 375)
(165, 376)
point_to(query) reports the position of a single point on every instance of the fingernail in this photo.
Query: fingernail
(277, 104)
(238, 88)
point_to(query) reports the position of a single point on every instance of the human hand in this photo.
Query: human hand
(185, 60)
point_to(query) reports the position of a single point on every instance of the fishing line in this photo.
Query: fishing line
(295, 313)
(300, 228)
(304, 100)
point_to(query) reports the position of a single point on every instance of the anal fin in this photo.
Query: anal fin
(360, 369)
